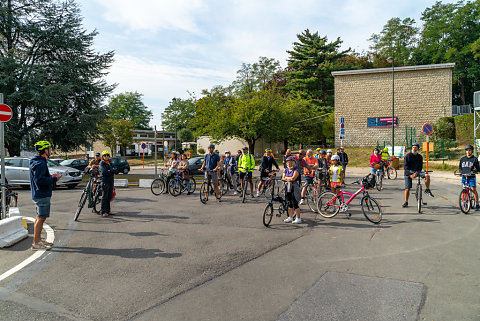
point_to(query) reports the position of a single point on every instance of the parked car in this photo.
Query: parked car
(121, 164)
(194, 165)
(17, 172)
(79, 164)
(57, 160)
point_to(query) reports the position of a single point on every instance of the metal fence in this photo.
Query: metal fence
(461, 110)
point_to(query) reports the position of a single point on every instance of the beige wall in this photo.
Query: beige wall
(235, 144)
(422, 95)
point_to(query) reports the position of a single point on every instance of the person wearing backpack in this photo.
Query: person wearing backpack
(246, 165)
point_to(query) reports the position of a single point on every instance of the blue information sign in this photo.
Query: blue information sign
(342, 131)
(342, 120)
(144, 145)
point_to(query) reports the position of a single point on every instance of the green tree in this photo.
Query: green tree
(185, 135)
(256, 76)
(129, 106)
(179, 114)
(50, 75)
(397, 39)
(310, 64)
(117, 131)
(451, 34)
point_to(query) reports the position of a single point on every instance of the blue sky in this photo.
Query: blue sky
(166, 48)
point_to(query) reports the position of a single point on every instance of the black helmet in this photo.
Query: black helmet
(469, 147)
(97, 154)
(245, 148)
(211, 146)
(322, 152)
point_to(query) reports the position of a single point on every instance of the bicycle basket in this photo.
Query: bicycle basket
(377, 166)
(368, 182)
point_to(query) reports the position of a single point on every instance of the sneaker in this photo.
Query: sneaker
(477, 208)
(235, 193)
(219, 200)
(40, 246)
(298, 220)
(288, 220)
(302, 201)
(252, 195)
(258, 193)
(428, 192)
(405, 204)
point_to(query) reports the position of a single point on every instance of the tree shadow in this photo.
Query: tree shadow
(135, 200)
(112, 232)
(134, 253)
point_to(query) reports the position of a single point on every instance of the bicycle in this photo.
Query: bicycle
(269, 184)
(466, 199)
(92, 192)
(418, 191)
(227, 183)
(329, 203)
(11, 198)
(312, 194)
(207, 188)
(379, 175)
(159, 184)
(269, 209)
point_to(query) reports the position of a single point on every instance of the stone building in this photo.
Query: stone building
(363, 98)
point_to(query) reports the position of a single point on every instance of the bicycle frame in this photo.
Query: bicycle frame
(340, 196)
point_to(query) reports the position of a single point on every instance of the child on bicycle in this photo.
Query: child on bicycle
(469, 166)
(337, 176)
(291, 175)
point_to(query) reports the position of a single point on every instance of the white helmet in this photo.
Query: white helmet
(329, 151)
(227, 151)
(335, 157)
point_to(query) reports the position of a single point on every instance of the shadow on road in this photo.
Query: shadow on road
(135, 253)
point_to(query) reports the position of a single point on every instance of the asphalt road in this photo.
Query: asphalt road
(165, 258)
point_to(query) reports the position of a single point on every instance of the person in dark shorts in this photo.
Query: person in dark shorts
(41, 184)
(107, 173)
(413, 165)
(469, 166)
(212, 163)
(292, 189)
(266, 168)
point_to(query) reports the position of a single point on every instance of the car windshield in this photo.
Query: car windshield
(192, 161)
(51, 163)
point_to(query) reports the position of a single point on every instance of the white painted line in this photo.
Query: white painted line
(34, 256)
(5, 113)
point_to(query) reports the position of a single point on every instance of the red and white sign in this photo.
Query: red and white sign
(5, 113)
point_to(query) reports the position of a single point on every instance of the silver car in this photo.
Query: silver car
(17, 172)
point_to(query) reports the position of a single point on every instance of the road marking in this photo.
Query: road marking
(442, 197)
(34, 256)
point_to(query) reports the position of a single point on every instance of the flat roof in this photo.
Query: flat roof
(389, 69)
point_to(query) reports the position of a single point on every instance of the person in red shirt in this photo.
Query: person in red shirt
(309, 172)
(375, 158)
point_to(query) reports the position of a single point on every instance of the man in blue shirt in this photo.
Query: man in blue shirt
(212, 163)
(41, 184)
(413, 165)
(229, 168)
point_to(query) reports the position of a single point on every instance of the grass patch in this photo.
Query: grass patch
(359, 156)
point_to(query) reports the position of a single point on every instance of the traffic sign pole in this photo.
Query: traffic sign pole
(2, 172)
(427, 130)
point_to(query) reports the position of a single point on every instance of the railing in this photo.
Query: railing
(461, 110)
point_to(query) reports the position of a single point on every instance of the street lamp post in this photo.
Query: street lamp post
(392, 61)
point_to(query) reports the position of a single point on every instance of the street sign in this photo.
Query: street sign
(165, 150)
(342, 131)
(144, 145)
(429, 147)
(427, 129)
(342, 137)
(342, 120)
(5, 113)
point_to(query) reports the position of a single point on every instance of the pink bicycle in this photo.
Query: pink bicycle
(329, 204)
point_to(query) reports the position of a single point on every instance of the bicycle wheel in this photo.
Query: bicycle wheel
(97, 200)
(464, 201)
(13, 199)
(418, 195)
(311, 198)
(379, 183)
(158, 186)
(175, 187)
(193, 184)
(371, 209)
(204, 193)
(81, 203)
(392, 173)
(327, 206)
(268, 214)
(269, 190)
(223, 187)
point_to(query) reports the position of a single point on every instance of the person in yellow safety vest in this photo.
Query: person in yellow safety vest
(337, 176)
(385, 154)
(246, 165)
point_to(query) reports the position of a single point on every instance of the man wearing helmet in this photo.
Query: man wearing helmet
(94, 163)
(413, 165)
(229, 168)
(41, 184)
(246, 165)
(107, 173)
(469, 166)
(268, 161)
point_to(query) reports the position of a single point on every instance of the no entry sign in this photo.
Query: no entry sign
(5, 113)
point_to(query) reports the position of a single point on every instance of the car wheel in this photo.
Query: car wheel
(125, 170)
(25, 186)
(71, 186)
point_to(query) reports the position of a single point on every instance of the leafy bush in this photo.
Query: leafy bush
(448, 149)
(201, 151)
(445, 128)
(464, 128)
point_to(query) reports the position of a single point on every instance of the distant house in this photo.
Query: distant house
(235, 144)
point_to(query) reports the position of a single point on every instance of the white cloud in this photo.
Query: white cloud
(152, 15)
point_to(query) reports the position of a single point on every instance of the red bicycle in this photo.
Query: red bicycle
(329, 203)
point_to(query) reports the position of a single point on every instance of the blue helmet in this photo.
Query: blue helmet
(416, 144)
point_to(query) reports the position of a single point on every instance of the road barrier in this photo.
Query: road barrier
(145, 183)
(12, 231)
(120, 183)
